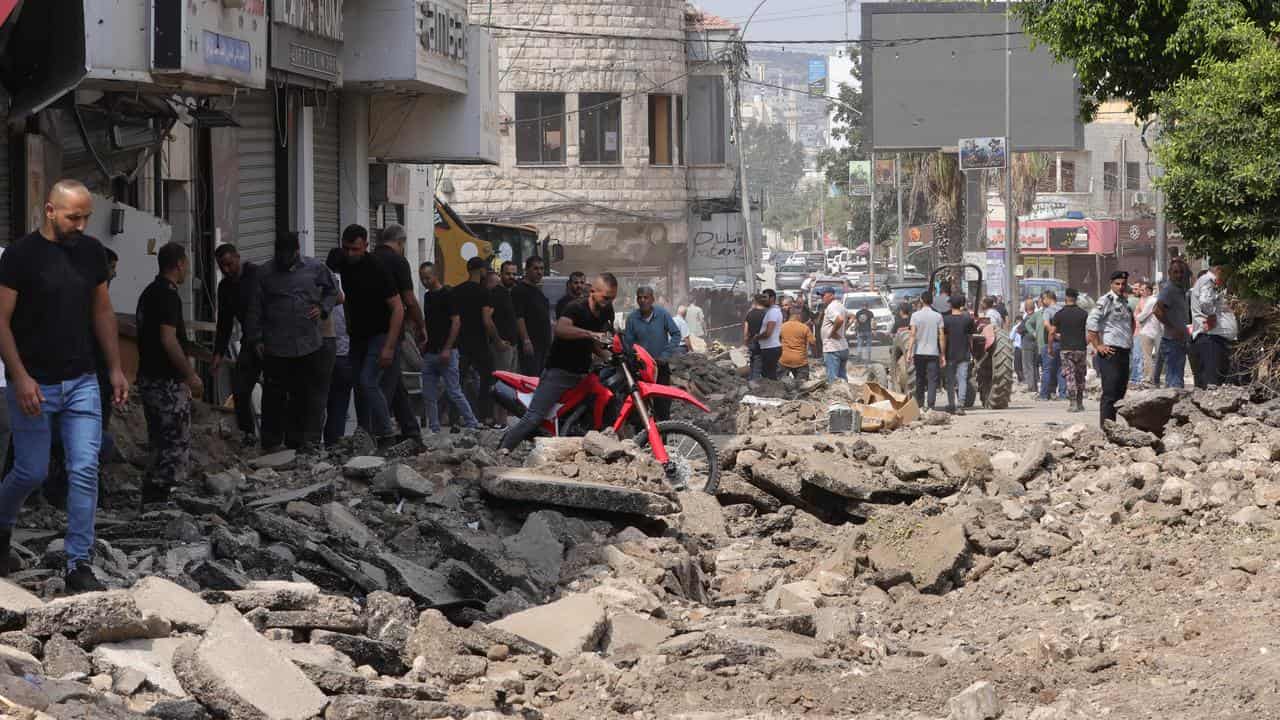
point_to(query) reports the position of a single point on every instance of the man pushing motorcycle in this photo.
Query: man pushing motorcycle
(580, 335)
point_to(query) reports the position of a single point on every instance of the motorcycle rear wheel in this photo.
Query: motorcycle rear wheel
(694, 462)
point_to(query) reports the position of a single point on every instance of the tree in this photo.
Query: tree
(775, 164)
(1222, 168)
(1134, 50)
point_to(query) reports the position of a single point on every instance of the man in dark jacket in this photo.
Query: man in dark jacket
(295, 294)
(235, 292)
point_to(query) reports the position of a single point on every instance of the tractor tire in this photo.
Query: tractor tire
(1002, 377)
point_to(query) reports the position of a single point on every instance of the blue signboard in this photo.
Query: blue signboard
(818, 76)
(228, 52)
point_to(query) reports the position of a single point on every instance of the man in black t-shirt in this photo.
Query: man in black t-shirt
(574, 288)
(533, 318)
(958, 326)
(235, 293)
(579, 337)
(504, 317)
(167, 381)
(1069, 332)
(374, 315)
(475, 308)
(751, 329)
(439, 356)
(390, 252)
(53, 303)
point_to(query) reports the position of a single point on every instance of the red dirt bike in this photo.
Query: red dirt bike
(619, 395)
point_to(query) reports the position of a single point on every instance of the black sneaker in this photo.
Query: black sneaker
(248, 440)
(153, 494)
(80, 579)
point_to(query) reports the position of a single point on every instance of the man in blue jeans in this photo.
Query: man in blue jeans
(53, 304)
(374, 317)
(439, 353)
(1050, 353)
(1174, 313)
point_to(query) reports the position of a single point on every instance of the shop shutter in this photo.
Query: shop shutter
(256, 231)
(328, 182)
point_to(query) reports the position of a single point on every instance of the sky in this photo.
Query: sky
(789, 19)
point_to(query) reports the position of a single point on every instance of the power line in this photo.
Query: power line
(879, 42)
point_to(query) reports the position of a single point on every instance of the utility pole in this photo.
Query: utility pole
(901, 245)
(745, 196)
(1011, 292)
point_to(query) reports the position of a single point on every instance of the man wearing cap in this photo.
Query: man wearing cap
(835, 346)
(1110, 332)
(1213, 327)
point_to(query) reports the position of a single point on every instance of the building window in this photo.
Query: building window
(666, 130)
(1132, 176)
(1068, 176)
(539, 128)
(1110, 176)
(599, 128)
(706, 120)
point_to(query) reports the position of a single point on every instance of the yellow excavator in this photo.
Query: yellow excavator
(457, 241)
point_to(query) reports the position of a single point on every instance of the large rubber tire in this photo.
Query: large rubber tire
(703, 466)
(1002, 377)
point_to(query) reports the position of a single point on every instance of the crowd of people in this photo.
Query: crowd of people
(782, 333)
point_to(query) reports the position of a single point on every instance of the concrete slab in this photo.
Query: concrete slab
(525, 486)
(571, 625)
(181, 607)
(153, 658)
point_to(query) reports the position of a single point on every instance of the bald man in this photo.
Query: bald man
(53, 304)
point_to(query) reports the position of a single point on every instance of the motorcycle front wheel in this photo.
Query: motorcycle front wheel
(693, 461)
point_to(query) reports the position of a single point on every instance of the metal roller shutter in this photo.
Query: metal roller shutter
(328, 182)
(256, 231)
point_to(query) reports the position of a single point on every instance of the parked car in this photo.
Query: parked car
(792, 274)
(882, 325)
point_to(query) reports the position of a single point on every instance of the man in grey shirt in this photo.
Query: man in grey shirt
(1174, 315)
(928, 348)
(1213, 327)
(295, 295)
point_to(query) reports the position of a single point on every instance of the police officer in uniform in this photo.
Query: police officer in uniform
(1110, 332)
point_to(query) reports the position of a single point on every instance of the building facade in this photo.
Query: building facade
(616, 146)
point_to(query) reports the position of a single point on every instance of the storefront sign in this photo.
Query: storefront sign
(227, 52)
(442, 30)
(322, 18)
(1069, 238)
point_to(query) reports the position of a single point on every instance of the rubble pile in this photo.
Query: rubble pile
(713, 380)
(824, 577)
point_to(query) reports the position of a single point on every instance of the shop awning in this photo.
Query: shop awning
(1058, 237)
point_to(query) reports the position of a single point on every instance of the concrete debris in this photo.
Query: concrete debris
(525, 486)
(976, 702)
(566, 627)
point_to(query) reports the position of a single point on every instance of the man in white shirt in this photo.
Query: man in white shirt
(835, 346)
(770, 337)
(1149, 331)
(928, 346)
(1213, 327)
(696, 320)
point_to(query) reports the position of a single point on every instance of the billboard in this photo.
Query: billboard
(945, 80)
(984, 153)
(860, 177)
(818, 76)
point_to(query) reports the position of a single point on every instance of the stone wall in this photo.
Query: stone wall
(572, 202)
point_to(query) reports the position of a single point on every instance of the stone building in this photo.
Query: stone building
(614, 138)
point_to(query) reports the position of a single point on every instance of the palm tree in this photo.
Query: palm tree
(1028, 168)
(945, 183)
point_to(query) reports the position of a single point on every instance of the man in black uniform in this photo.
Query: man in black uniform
(167, 381)
(580, 335)
(1110, 332)
(533, 318)
(235, 292)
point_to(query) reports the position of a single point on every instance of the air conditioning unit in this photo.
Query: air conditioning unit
(1141, 199)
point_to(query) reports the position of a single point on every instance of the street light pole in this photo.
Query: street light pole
(871, 235)
(1011, 293)
(901, 245)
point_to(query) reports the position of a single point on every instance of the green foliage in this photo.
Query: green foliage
(1221, 153)
(775, 164)
(1134, 50)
